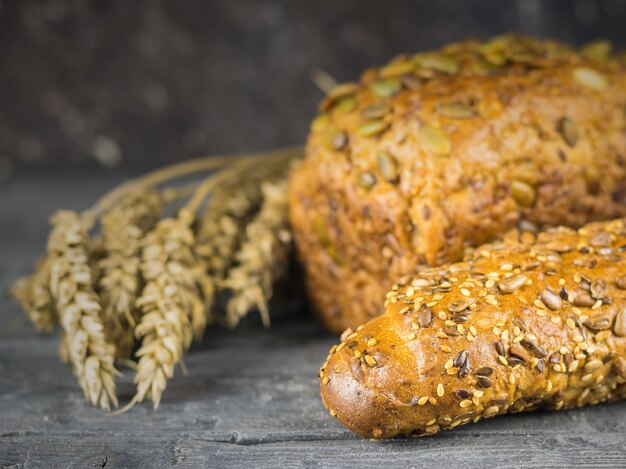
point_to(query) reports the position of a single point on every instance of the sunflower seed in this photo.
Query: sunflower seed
(484, 382)
(460, 305)
(619, 328)
(512, 284)
(568, 131)
(550, 299)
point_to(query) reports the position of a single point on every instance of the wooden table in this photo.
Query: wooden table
(250, 397)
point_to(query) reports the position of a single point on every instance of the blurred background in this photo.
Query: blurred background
(136, 84)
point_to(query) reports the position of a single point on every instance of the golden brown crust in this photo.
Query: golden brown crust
(442, 151)
(523, 324)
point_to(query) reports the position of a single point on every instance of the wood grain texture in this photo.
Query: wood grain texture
(250, 398)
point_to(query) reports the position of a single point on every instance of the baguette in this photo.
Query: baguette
(436, 153)
(524, 324)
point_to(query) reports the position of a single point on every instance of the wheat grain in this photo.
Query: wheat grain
(122, 229)
(78, 308)
(262, 258)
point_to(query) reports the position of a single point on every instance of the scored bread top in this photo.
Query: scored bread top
(439, 152)
(523, 324)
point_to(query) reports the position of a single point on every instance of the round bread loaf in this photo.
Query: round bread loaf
(438, 152)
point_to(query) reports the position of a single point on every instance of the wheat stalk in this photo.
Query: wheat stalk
(262, 258)
(122, 230)
(79, 309)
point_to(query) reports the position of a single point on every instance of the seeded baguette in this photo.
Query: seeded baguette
(442, 151)
(524, 324)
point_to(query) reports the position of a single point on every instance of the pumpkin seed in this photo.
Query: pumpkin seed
(435, 140)
(342, 90)
(395, 69)
(523, 193)
(597, 50)
(385, 88)
(456, 111)
(590, 78)
(372, 127)
(375, 111)
(320, 122)
(440, 63)
(346, 104)
(387, 166)
(568, 131)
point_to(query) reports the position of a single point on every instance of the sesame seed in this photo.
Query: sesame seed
(403, 310)
(410, 291)
(503, 360)
(446, 349)
(442, 315)
(578, 338)
(596, 305)
(432, 401)
(442, 335)
(549, 386)
(563, 350)
(411, 336)
(465, 403)
(325, 380)
(452, 371)
(555, 319)
(570, 323)
(505, 335)
(372, 342)
(422, 400)
(473, 330)
(332, 413)
(447, 365)
(431, 422)
(440, 390)
(465, 292)
(357, 354)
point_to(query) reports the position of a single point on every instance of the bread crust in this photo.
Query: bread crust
(440, 152)
(524, 324)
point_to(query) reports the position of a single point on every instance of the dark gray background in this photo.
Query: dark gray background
(143, 82)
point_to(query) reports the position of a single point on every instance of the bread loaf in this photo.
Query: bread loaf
(525, 324)
(442, 151)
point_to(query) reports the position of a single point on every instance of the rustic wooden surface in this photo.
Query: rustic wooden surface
(250, 398)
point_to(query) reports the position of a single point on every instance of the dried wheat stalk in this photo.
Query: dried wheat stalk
(262, 258)
(78, 307)
(122, 230)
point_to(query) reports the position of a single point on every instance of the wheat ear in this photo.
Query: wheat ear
(33, 294)
(122, 230)
(171, 305)
(78, 307)
(262, 258)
